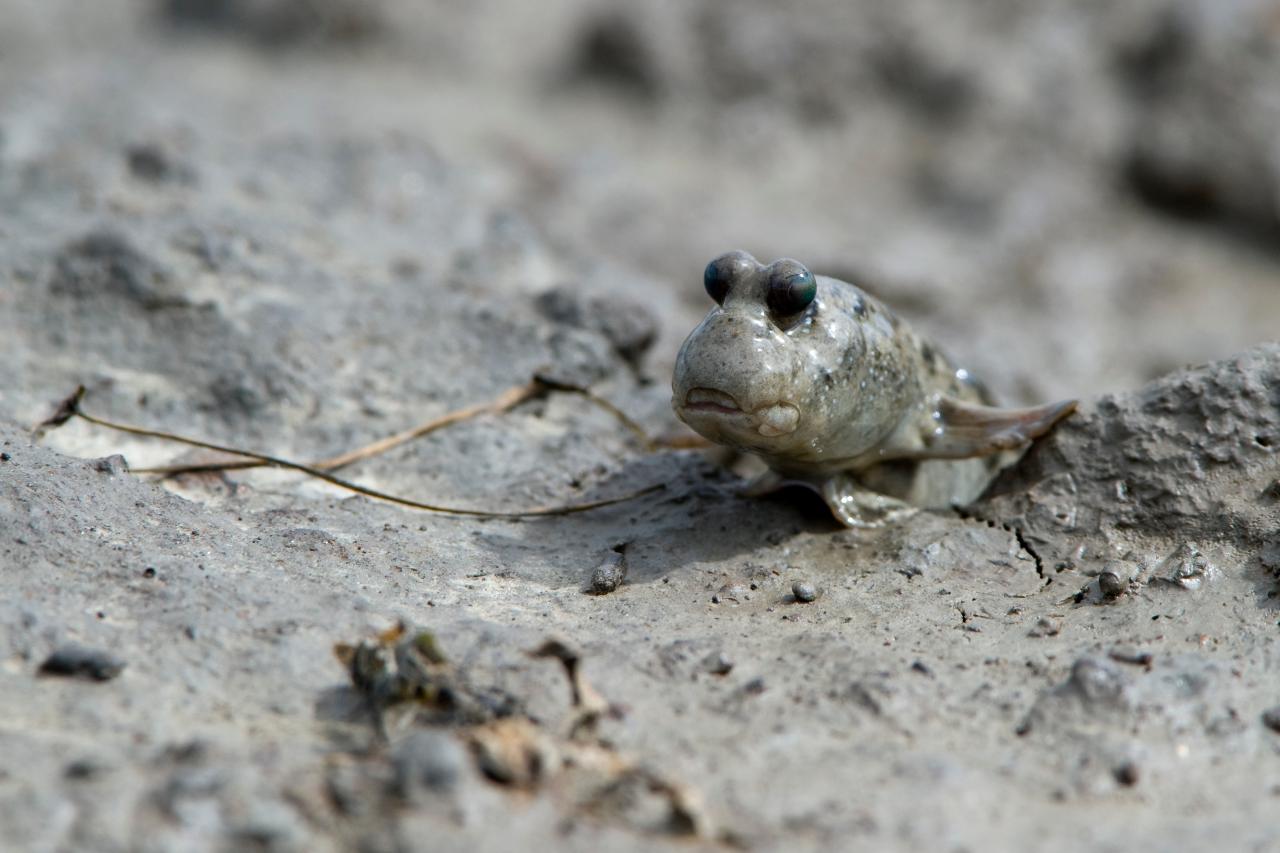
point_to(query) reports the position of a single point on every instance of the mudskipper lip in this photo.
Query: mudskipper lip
(772, 420)
(711, 400)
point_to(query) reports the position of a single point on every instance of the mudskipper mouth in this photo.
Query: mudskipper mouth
(710, 400)
(772, 420)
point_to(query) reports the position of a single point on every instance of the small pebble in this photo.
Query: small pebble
(84, 768)
(1110, 585)
(113, 465)
(1271, 719)
(1126, 774)
(1046, 627)
(80, 662)
(1133, 656)
(717, 663)
(610, 574)
(804, 592)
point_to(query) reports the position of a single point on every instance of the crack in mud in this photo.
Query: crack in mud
(1026, 546)
(1023, 544)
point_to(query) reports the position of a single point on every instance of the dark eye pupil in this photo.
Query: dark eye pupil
(791, 295)
(716, 280)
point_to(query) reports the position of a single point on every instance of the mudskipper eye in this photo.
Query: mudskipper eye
(716, 278)
(791, 291)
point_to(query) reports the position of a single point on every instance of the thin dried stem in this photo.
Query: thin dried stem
(71, 408)
(505, 401)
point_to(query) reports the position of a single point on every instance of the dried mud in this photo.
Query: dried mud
(297, 226)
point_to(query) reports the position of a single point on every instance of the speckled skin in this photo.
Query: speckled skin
(842, 397)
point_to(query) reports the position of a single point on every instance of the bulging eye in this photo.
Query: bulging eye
(715, 279)
(723, 271)
(791, 291)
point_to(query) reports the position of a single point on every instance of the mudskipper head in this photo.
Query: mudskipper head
(755, 372)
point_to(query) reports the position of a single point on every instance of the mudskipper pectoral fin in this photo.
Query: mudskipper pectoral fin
(765, 484)
(962, 430)
(856, 506)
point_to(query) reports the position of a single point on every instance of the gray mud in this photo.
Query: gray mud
(297, 226)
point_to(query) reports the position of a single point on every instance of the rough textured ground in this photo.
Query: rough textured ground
(299, 225)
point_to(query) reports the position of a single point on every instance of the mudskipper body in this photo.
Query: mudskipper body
(833, 391)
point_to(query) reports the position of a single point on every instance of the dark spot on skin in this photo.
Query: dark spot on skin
(827, 378)
(927, 353)
(860, 307)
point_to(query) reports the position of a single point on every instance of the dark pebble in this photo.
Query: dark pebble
(81, 662)
(149, 162)
(1126, 774)
(1271, 719)
(1110, 585)
(804, 592)
(83, 768)
(609, 575)
(1124, 655)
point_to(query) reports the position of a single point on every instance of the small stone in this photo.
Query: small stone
(1046, 627)
(152, 163)
(1185, 568)
(1096, 681)
(1131, 656)
(1271, 719)
(75, 661)
(1110, 585)
(804, 592)
(84, 768)
(610, 574)
(1126, 774)
(717, 663)
(112, 465)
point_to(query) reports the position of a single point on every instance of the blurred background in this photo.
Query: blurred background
(1073, 196)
